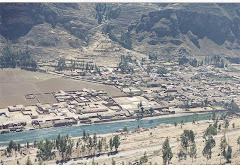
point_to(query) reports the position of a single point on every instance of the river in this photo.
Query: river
(75, 131)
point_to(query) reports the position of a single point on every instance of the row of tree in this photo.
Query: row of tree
(215, 60)
(84, 66)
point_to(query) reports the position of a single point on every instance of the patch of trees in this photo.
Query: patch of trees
(45, 150)
(64, 144)
(215, 60)
(153, 56)
(100, 11)
(13, 146)
(113, 12)
(106, 11)
(67, 148)
(124, 65)
(18, 58)
(193, 62)
(232, 108)
(188, 146)
(84, 66)
(107, 28)
(124, 40)
(114, 143)
(183, 60)
(61, 64)
(161, 71)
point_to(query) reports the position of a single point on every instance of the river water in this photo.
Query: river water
(74, 131)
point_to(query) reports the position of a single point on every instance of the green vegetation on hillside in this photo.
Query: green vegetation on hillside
(124, 40)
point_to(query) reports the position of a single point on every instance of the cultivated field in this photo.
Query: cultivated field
(15, 83)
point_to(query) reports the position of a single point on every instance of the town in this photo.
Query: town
(150, 87)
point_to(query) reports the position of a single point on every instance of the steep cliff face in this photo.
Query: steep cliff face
(194, 22)
(18, 19)
(169, 29)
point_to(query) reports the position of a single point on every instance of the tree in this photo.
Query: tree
(61, 64)
(90, 143)
(83, 149)
(27, 144)
(215, 123)
(111, 144)
(228, 155)
(181, 154)
(125, 129)
(193, 151)
(206, 102)
(213, 115)
(151, 110)
(95, 139)
(219, 126)
(223, 145)
(211, 130)
(69, 148)
(144, 159)
(226, 123)
(84, 135)
(207, 150)
(113, 162)
(175, 123)
(116, 142)
(167, 152)
(99, 146)
(29, 162)
(238, 141)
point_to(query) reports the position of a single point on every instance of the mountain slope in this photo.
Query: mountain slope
(76, 30)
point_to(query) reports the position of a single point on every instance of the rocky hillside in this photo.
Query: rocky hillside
(74, 30)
